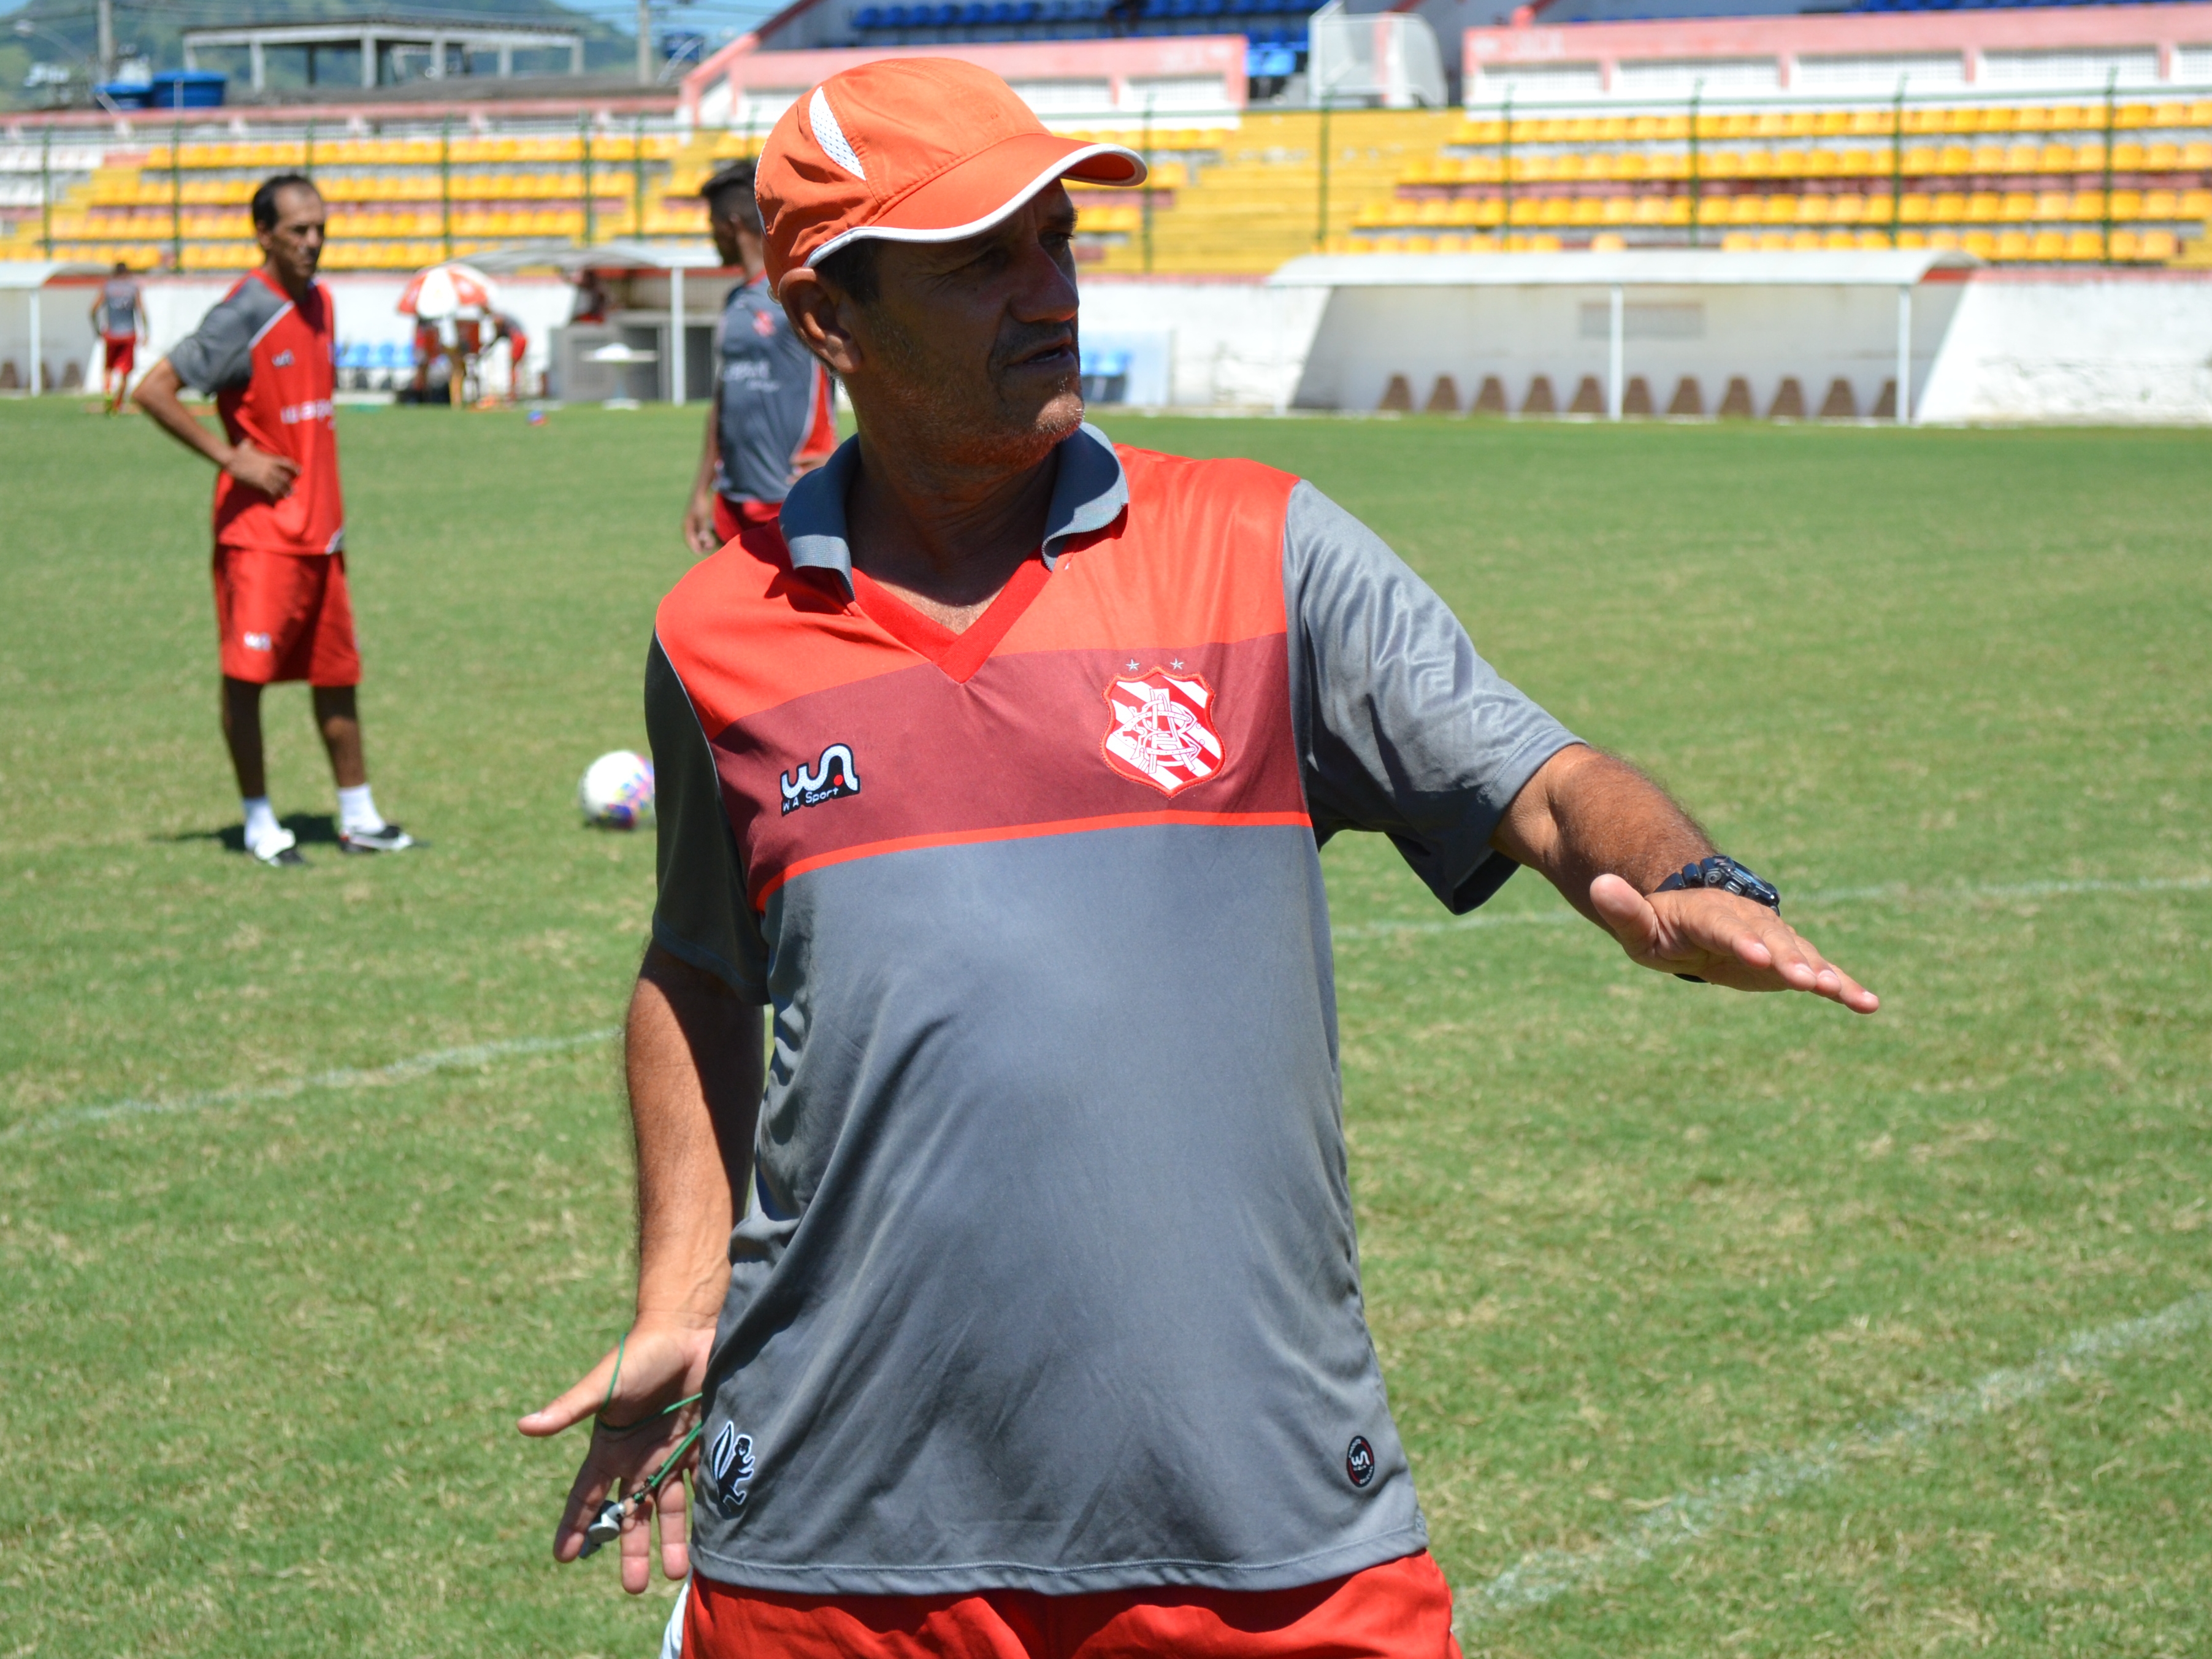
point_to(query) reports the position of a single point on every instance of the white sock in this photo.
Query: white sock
(260, 821)
(357, 813)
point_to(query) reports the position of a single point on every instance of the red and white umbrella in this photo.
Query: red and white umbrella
(452, 289)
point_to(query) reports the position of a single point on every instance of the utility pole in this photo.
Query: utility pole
(1147, 197)
(46, 188)
(107, 41)
(645, 43)
(1697, 212)
(1897, 162)
(2112, 115)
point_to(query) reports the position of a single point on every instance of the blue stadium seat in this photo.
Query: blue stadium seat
(868, 17)
(941, 17)
(1213, 8)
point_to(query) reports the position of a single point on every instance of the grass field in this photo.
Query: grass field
(1624, 1239)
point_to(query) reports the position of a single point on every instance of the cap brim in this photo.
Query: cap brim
(969, 198)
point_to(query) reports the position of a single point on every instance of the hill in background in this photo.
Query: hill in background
(152, 29)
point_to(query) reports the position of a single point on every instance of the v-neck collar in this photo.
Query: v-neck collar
(958, 655)
(1088, 493)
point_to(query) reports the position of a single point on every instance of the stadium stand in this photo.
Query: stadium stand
(397, 200)
(2067, 135)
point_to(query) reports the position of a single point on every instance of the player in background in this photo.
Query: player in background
(266, 351)
(771, 419)
(507, 328)
(119, 315)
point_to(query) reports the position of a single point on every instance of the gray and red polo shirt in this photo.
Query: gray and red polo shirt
(1047, 1279)
(772, 400)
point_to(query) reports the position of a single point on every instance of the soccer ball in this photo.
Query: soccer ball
(616, 791)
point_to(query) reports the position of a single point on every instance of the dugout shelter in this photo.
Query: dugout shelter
(1641, 331)
(25, 337)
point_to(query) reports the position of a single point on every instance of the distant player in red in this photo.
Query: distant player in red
(507, 328)
(118, 313)
(266, 352)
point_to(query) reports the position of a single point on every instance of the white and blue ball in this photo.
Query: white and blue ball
(616, 791)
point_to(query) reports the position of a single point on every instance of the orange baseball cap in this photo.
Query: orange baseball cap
(911, 150)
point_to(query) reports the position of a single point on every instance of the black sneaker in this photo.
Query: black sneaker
(390, 839)
(280, 851)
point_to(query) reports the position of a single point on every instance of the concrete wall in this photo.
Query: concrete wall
(2108, 346)
(367, 314)
(1230, 344)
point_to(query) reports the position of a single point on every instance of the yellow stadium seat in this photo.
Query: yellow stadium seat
(1651, 211)
(1781, 210)
(2197, 204)
(2049, 245)
(1589, 211)
(2160, 204)
(1620, 210)
(1914, 209)
(2085, 245)
(2126, 245)
(2134, 115)
(2197, 156)
(2127, 156)
(2156, 244)
(2127, 203)
(2088, 158)
(1739, 241)
(1981, 244)
(1839, 239)
(2052, 205)
(2016, 205)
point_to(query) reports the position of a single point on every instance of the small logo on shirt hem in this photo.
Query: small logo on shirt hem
(1359, 1462)
(258, 642)
(813, 785)
(730, 1465)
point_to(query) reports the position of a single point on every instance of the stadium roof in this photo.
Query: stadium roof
(599, 256)
(1634, 268)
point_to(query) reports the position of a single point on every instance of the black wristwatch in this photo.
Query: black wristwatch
(1727, 876)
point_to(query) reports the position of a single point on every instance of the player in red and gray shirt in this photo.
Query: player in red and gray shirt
(266, 351)
(772, 419)
(1013, 1307)
(118, 313)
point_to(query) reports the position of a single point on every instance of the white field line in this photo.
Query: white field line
(1892, 893)
(1544, 1576)
(482, 1053)
(399, 1071)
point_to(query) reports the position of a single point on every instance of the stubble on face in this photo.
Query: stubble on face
(963, 376)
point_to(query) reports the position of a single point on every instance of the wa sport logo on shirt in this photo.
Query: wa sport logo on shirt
(1359, 1461)
(828, 778)
(1162, 731)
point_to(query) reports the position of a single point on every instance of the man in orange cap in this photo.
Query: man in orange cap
(1021, 1316)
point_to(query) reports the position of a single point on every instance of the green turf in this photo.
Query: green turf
(1621, 1235)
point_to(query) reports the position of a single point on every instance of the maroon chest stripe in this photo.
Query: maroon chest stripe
(1016, 749)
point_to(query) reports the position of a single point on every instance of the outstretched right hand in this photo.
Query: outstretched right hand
(660, 1363)
(257, 469)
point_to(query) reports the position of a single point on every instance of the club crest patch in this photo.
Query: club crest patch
(1161, 731)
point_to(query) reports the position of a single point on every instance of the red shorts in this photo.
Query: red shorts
(284, 616)
(730, 516)
(122, 351)
(1399, 1610)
